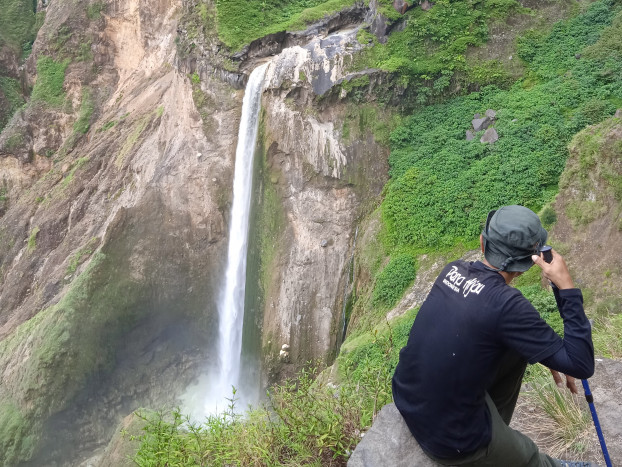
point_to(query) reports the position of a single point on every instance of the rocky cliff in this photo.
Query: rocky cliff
(113, 231)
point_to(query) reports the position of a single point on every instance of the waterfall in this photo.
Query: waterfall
(231, 301)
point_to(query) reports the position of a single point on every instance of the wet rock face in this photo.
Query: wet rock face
(321, 186)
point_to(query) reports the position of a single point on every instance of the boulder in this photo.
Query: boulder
(490, 136)
(480, 124)
(470, 136)
(426, 5)
(618, 113)
(400, 6)
(389, 443)
(491, 114)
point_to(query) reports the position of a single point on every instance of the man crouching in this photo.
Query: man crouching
(460, 374)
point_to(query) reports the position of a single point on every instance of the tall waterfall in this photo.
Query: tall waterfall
(231, 301)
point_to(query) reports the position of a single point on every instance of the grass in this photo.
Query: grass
(17, 23)
(241, 23)
(131, 140)
(75, 167)
(81, 255)
(32, 240)
(83, 123)
(50, 80)
(562, 422)
(11, 90)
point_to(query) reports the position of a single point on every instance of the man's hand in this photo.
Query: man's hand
(570, 382)
(556, 271)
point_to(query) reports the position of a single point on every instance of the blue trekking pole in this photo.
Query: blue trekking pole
(547, 255)
(590, 400)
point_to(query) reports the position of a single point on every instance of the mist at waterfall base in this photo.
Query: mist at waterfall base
(213, 392)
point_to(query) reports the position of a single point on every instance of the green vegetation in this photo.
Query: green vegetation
(306, 421)
(67, 343)
(83, 123)
(75, 167)
(18, 24)
(131, 139)
(430, 52)
(94, 10)
(442, 186)
(561, 415)
(32, 240)
(50, 80)
(598, 152)
(14, 141)
(240, 23)
(393, 280)
(10, 92)
(81, 255)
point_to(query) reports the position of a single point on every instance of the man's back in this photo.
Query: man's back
(469, 322)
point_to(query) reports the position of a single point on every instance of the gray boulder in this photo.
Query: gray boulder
(491, 114)
(490, 136)
(618, 113)
(470, 136)
(389, 443)
(481, 123)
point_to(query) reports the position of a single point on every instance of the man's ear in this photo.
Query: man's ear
(481, 242)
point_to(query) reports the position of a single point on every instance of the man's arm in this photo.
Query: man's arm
(576, 357)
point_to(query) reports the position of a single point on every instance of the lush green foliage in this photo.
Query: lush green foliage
(50, 80)
(17, 23)
(10, 91)
(442, 185)
(242, 22)
(394, 279)
(431, 49)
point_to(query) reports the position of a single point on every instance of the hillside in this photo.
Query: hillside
(387, 132)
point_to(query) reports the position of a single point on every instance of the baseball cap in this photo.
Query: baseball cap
(511, 235)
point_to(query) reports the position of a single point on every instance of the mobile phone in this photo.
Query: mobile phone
(547, 253)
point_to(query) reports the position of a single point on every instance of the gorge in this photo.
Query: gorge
(119, 201)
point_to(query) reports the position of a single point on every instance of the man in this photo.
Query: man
(459, 376)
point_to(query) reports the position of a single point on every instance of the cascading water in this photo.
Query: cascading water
(231, 302)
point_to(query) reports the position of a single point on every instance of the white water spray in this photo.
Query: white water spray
(231, 302)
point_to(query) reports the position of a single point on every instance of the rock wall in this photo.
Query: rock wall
(318, 185)
(112, 240)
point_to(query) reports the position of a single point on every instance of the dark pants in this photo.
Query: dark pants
(508, 447)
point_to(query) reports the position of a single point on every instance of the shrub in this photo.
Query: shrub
(50, 80)
(442, 186)
(394, 279)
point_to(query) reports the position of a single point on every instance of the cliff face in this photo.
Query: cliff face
(117, 187)
(113, 233)
(320, 182)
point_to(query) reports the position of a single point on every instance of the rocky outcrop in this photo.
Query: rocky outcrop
(274, 44)
(389, 442)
